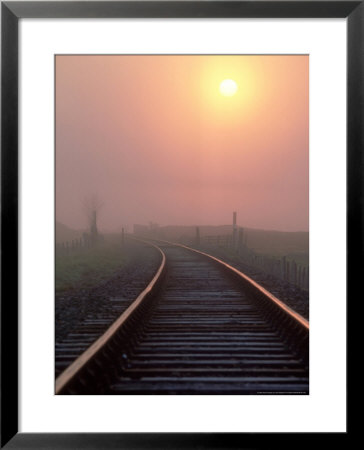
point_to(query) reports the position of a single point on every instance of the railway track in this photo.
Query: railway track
(200, 327)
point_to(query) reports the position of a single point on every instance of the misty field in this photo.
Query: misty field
(88, 267)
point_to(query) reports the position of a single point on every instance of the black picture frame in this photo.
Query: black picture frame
(11, 12)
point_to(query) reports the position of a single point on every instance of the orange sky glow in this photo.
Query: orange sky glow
(156, 140)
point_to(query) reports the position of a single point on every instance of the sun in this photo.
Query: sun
(228, 87)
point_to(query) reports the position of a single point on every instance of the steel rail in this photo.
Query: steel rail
(268, 295)
(73, 369)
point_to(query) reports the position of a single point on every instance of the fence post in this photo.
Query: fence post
(234, 235)
(284, 268)
(294, 266)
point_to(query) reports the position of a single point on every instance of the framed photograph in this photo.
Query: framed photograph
(181, 184)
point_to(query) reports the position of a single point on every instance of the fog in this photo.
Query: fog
(154, 138)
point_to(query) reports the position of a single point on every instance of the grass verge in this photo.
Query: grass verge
(86, 268)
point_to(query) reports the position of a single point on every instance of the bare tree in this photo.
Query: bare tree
(92, 205)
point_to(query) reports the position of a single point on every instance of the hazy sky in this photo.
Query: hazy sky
(156, 140)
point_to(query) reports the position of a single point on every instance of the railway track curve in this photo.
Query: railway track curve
(199, 327)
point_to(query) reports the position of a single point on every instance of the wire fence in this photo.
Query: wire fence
(284, 268)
